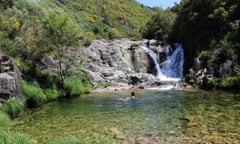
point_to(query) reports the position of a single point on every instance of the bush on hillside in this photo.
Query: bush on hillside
(9, 46)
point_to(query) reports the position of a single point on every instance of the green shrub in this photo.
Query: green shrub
(86, 89)
(78, 84)
(48, 79)
(9, 46)
(4, 121)
(87, 42)
(61, 93)
(74, 86)
(205, 59)
(34, 95)
(230, 83)
(226, 83)
(191, 81)
(51, 94)
(237, 70)
(107, 84)
(13, 107)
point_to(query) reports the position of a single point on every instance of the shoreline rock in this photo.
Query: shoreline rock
(10, 86)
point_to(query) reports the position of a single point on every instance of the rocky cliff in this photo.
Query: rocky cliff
(117, 64)
(9, 80)
(113, 65)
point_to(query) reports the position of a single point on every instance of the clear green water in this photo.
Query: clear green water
(199, 116)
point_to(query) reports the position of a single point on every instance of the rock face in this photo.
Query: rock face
(117, 63)
(9, 80)
(117, 54)
(221, 66)
(7, 85)
(206, 67)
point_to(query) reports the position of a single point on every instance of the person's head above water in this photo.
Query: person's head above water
(132, 94)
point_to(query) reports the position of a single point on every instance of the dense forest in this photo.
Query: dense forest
(209, 32)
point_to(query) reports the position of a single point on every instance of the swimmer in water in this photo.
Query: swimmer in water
(132, 95)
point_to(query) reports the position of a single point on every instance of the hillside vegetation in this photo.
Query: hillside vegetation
(209, 30)
(210, 33)
(22, 30)
(33, 29)
(96, 18)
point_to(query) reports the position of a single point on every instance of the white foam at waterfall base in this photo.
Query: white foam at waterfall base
(170, 86)
(171, 70)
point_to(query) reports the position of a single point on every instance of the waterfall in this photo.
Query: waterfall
(172, 68)
(154, 56)
(167, 49)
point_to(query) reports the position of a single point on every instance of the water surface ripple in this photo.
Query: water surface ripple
(152, 117)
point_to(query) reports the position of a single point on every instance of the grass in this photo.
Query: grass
(7, 137)
(13, 107)
(74, 86)
(51, 94)
(14, 138)
(4, 121)
(34, 95)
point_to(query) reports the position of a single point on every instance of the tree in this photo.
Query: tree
(63, 35)
(159, 26)
(6, 3)
(198, 23)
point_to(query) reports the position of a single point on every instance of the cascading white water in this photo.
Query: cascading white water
(172, 68)
(154, 56)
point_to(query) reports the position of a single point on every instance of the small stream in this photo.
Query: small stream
(152, 117)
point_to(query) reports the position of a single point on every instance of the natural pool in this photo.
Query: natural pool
(152, 117)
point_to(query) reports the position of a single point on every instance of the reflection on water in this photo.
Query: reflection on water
(201, 116)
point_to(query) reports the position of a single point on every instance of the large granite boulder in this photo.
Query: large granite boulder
(48, 62)
(112, 61)
(205, 67)
(9, 80)
(7, 86)
(117, 54)
(10, 85)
